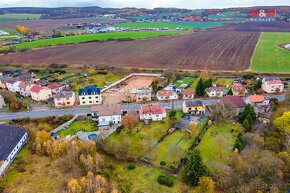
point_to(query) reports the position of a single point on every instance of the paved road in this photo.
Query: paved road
(59, 112)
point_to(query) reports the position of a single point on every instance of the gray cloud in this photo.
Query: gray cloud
(190, 4)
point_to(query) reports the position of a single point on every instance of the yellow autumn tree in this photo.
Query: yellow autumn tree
(73, 186)
(206, 185)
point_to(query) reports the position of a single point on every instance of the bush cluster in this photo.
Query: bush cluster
(131, 166)
(164, 180)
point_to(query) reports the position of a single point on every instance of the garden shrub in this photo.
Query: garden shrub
(163, 163)
(131, 166)
(164, 180)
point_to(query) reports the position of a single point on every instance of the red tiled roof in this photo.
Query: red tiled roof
(274, 82)
(164, 93)
(187, 91)
(23, 85)
(37, 88)
(236, 87)
(154, 109)
(256, 98)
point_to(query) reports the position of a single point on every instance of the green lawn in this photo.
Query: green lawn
(91, 37)
(169, 151)
(185, 80)
(202, 124)
(82, 125)
(225, 81)
(268, 56)
(17, 17)
(151, 25)
(203, 24)
(194, 84)
(11, 33)
(214, 148)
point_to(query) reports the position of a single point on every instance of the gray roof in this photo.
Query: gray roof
(9, 138)
(193, 103)
(62, 94)
(4, 78)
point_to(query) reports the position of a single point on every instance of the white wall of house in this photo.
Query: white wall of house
(11, 156)
(214, 93)
(10, 87)
(153, 117)
(174, 96)
(90, 99)
(112, 118)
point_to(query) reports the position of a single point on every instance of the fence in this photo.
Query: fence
(63, 126)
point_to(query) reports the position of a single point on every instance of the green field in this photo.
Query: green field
(151, 25)
(17, 17)
(185, 80)
(268, 56)
(82, 125)
(169, 151)
(92, 37)
(203, 24)
(213, 147)
(11, 33)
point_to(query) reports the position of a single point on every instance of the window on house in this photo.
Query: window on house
(90, 97)
(97, 97)
(68, 103)
(84, 102)
(83, 97)
(67, 98)
(97, 101)
(90, 102)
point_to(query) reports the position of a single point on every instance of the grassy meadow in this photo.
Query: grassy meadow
(92, 37)
(82, 125)
(152, 25)
(268, 56)
(16, 17)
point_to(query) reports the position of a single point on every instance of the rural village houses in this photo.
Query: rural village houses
(166, 95)
(90, 95)
(55, 88)
(238, 89)
(12, 140)
(3, 81)
(139, 95)
(259, 102)
(214, 91)
(64, 99)
(193, 107)
(152, 112)
(235, 102)
(187, 94)
(107, 114)
(24, 88)
(272, 85)
(39, 93)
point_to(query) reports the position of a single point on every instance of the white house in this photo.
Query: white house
(166, 95)
(10, 85)
(12, 140)
(107, 114)
(152, 112)
(214, 91)
(273, 86)
(2, 102)
(24, 88)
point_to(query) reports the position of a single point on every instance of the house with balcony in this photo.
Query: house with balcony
(166, 95)
(152, 112)
(193, 107)
(64, 99)
(272, 85)
(214, 91)
(139, 95)
(90, 95)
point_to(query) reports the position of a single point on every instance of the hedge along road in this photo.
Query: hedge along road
(135, 107)
(92, 37)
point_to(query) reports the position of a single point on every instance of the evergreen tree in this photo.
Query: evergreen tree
(208, 83)
(238, 142)
(248, 110)
(230, 92)
(258, 85)
(200, 89)
(194, 168)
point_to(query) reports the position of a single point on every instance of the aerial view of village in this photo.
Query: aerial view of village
(144, 97)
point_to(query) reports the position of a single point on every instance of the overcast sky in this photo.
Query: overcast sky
(190, 4)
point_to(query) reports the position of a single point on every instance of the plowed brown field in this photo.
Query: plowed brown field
(215, 50)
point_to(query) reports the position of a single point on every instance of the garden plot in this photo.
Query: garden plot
(185, 80)
(170, 150)
(217, 143)
(81, 125)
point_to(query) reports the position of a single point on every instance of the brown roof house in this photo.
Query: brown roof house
(107, 114)
(24, 88)
(214, 91)
(238, 89)
(187, 94)
(166, 95)
(230, 104)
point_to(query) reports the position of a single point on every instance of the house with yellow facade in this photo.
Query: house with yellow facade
(193, 107)
(90, 95)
